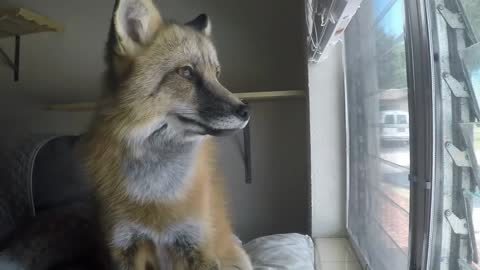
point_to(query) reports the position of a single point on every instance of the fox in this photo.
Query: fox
(149, 151)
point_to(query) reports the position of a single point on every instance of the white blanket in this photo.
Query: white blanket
(282, 251)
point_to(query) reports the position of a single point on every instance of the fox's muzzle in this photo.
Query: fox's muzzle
(219, 111)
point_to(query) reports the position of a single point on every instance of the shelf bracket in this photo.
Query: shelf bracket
(460, 158)
(247, 157)
(15, 64)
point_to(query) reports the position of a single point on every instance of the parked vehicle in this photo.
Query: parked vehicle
(394, 126)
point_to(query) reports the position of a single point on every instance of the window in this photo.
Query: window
(456, 198)
(379, 155)
(389, 119)
(402, 119)
(432, 222)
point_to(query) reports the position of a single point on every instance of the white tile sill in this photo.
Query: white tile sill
(334, 254)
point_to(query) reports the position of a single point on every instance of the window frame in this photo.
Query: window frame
(449, 180)
(420, 77)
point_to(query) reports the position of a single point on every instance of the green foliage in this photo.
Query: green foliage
(390, 60)
(472, 11)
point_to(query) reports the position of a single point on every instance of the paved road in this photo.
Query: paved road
(399, 155)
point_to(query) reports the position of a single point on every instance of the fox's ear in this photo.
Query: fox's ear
(201, 23)
(135, 23)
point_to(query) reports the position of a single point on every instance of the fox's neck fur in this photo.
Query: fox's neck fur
(158, 167)
(153, 167)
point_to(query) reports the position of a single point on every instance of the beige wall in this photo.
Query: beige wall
(260, 44)
(327, 149)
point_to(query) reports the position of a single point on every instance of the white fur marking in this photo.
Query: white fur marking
(164, 186)
(190, 229)
(125, 232)
(154, 175)
(141, 132)
(208, 28)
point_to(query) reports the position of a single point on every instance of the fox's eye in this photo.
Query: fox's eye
(186, 72)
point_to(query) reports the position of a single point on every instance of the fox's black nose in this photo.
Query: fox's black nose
(242, 111)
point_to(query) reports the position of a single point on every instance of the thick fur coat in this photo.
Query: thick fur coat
(148, 152)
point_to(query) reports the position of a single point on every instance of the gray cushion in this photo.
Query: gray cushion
(46, 211)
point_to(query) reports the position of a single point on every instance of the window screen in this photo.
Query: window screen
(379, 156)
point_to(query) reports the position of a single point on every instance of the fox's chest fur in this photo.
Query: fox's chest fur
(156, 189)
(158, 169)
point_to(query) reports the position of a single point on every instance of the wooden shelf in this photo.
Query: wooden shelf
(15, 22)
(269, 95)
(21, 21)
(246, 96)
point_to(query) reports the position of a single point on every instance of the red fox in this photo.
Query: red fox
(148, 151)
